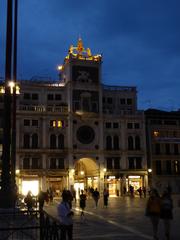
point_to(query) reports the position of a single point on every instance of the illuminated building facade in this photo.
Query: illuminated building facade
(79, 133)
(163, 148)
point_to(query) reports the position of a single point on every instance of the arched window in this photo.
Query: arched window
(53, 141)
(26, 141)
(130, 143)
(35, 140)
(61, 141)
(137, 143)
(108, 143)
(116, 142)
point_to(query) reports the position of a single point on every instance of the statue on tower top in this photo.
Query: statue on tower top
(80, 47)
(81, 53)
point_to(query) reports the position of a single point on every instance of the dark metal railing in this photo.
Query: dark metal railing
(28, 225)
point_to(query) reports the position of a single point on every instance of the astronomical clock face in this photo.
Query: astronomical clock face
(85, 74)
(85, 134)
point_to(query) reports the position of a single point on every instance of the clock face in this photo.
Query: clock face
(85, 74)
(85, 134)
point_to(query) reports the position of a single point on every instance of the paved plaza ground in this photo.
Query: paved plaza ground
(124, 219)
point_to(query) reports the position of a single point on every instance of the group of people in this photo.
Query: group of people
(42, 197)
(160, 207)
(65, 212)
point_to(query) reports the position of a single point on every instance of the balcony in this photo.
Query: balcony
(42, 108)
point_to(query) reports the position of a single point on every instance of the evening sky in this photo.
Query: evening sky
(139, 41)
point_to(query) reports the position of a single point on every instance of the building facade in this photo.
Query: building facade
(163, 148)
(77, 132)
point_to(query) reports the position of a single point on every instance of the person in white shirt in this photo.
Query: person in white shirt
(65, 217)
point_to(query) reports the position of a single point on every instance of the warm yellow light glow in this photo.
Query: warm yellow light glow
(104, 169)
(2, 90)
(17, 171)
(72, 170)
(82, 172)
(134, 177)
(17, 89)
(149, 170)
(112, 177)
(59, 124)
(11, 84)
(156, 133)
(31, 185)
(60, 67)
(54, 123)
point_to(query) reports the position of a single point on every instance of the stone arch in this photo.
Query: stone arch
(88, 165)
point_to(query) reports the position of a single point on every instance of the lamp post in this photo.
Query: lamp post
(150, 177)
(13, 142)
(6, 196)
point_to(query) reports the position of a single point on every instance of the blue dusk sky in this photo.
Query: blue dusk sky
(139, 41)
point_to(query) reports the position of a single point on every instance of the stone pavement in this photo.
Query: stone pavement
(124, 219)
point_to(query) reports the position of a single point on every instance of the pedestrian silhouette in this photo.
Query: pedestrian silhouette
(153, 208)
(166, 211)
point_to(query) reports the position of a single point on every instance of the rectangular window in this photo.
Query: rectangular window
(157, 148)
(138, 163)
(168, 167)
(53, 123)
(176, 167)
(117, 163)
(26, 122)
(129, 125)
(109, 163)
(115, 125)
(26, 163)
(136, 125)
(167, 147)
(50, 97)
(108, 124)
(59, 124)
(57, 96)
(35, 96)
(53, 163)
(129, 101)
(122, 101)
(27, 96)
(60, 163)
(35, 123)
(176, 149)
(158, 167)
(131, 163)
(35, 163)
(109, 100)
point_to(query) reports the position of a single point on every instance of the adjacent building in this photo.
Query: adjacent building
(163, 148)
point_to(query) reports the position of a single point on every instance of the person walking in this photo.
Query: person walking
(29, 202)
(82, 203)
(41, 199)
(144, 191)
(140, 192)
(65, 217)
(105, 197)
(96, 197)
(153, 208)
(166, 212)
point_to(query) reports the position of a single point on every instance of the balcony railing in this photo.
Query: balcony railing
(60, 109)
